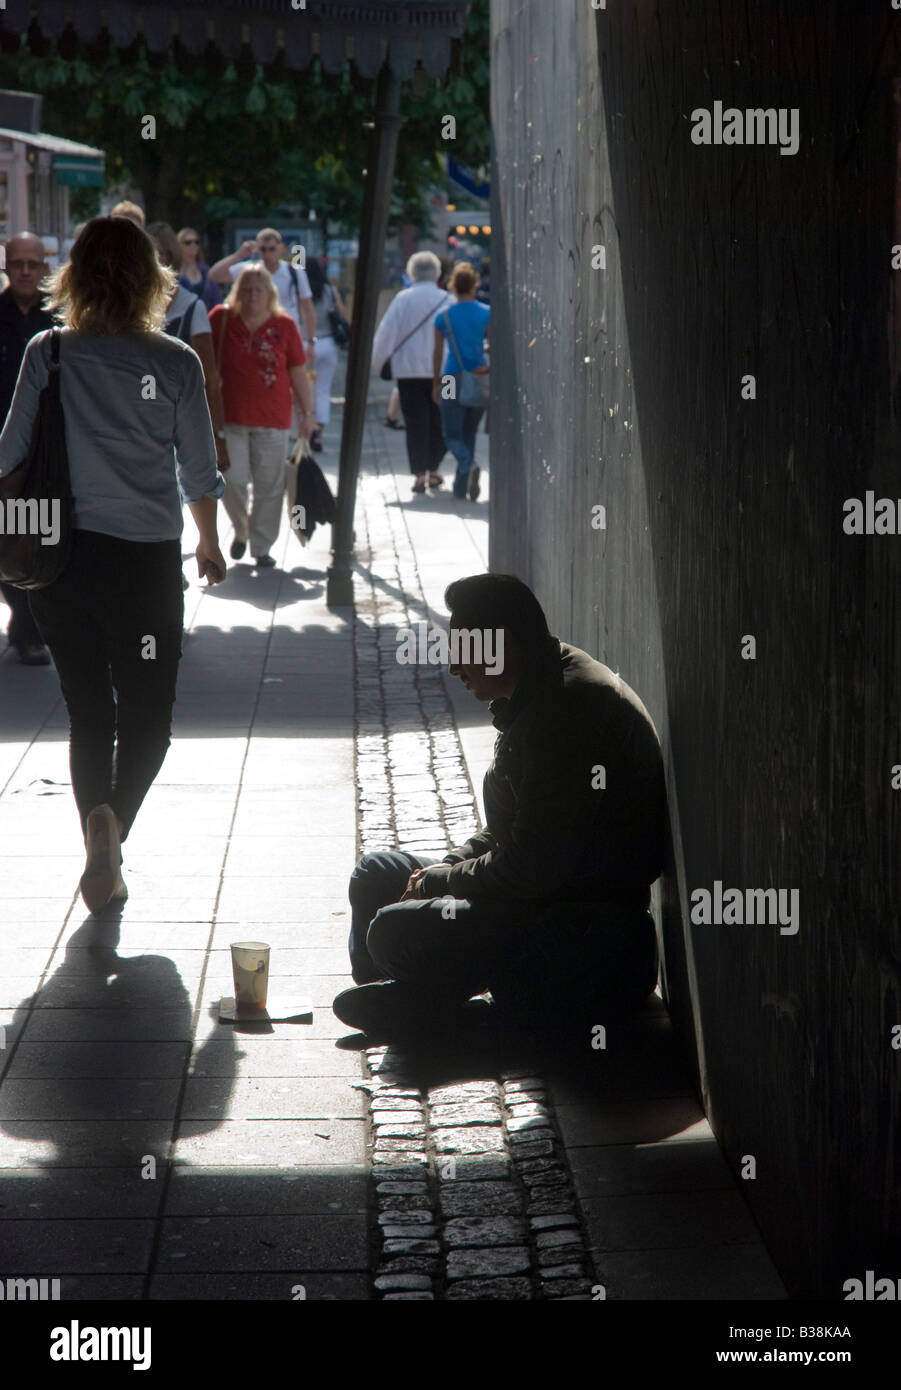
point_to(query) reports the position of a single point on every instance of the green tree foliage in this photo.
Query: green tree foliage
(245, 140)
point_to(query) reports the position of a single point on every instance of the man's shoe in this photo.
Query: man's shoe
(35, 655)
(390, 1009)
(237, 549)
(264, 562)
(474, 488)
(316, 441)
(102, 875)
(393, 424)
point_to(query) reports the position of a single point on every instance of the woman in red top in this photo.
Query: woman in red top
(261, 359)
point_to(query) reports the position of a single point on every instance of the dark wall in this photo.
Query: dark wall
(622, 387)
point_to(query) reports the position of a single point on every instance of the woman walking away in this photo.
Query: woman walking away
(195, 273)
(139, 438)
(261, 359)
(465, 326)
(405, 335)
(326, 300)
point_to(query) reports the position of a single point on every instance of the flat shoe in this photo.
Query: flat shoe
(419, 487)
(102, 875)
(436, 480)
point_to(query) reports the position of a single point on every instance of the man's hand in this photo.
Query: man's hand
(412, 884)
(223, 463)
(414, 888)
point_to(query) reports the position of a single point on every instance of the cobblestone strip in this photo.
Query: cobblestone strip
(470, 1185)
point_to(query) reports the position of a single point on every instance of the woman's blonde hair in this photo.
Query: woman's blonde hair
(112, 282)
(233, 298)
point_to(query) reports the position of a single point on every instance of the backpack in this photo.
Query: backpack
(181, 327)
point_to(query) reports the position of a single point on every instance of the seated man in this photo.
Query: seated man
(549, 904)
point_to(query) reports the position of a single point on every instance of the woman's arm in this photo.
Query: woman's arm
(210, 562)
(202, 343)
(195, 455)
(300, 385)
(385, 337)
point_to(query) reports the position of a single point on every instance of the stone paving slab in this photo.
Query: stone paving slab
(317, 1285)
(292, 1191)
(266, 1242)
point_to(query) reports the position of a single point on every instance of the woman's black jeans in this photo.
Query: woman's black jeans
(113, 622)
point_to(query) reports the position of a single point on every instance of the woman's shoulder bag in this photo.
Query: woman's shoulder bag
(36, 498)
(474, 389)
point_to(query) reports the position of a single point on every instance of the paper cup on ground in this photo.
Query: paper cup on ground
(250, 969)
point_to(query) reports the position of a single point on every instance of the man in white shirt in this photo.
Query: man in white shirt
(294, 293)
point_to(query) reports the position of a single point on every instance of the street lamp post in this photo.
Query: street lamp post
(374, 225)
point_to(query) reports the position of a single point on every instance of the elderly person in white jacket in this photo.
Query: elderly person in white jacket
(407, 334)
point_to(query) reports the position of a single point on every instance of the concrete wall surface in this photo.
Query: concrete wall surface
(619, 380)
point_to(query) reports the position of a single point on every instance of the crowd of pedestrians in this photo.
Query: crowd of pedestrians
(226, 350)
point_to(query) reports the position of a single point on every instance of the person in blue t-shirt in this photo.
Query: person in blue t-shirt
(467, 323)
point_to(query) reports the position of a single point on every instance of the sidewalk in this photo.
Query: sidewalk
(474, 1174)
(113, 1050)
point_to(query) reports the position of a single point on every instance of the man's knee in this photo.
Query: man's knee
(373, 873)
(385, 936)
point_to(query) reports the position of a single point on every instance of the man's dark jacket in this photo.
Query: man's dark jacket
(551, 835)
(16, 332)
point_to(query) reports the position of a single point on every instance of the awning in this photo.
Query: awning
(401, 33)
(74, 164)
(79, 173)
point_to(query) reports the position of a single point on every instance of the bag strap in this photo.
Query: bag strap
(453, 337)
(294, 280)
(417, 328)
(185, 333)
(55, 336)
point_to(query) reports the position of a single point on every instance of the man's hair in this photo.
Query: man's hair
(112, 282)
(131, 211)
(236, 293)
(498, 600)
(168, 244)
(271, 231)
(464, 277)
(423, 265)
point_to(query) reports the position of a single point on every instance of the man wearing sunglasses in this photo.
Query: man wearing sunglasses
(22, 315)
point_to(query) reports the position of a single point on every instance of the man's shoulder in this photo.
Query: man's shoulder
(588, 682)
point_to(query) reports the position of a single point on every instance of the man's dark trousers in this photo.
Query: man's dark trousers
(453, 948)
(16, 331)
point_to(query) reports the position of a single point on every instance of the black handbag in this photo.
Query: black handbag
(39, 490)
(385, 372)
